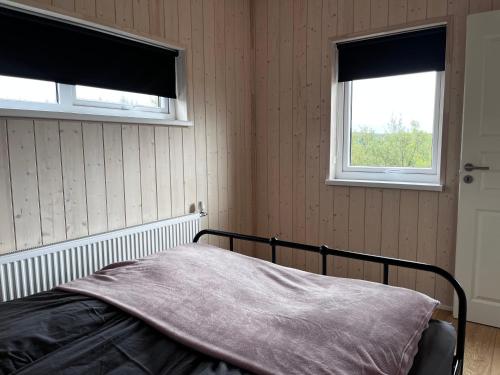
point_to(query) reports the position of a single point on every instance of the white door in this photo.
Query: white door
(478, 232)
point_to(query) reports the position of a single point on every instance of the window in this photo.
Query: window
(21, 94)
(388, 125)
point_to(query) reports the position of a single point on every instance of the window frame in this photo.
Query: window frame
(401, 178)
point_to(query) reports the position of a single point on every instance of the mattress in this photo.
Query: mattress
(66, 333)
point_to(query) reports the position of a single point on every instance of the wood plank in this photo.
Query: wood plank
(496, 5)
(261, 147)
(329, 29)
(221, 116)
(313, 129)
(417, 10)
(171, 19)
(397, 12)
(211, 117)
(156, 20)
(285, 128)
(390, 229)
(176, 171)
(162, 160)
(132, 175)
(495, 364)
(93, 150)
(373, 233)
(199, 105)
(480, 348)
(478, 6)
(140, 9)
(124, 13)
(356, 230)
(86, 8)
(340, 227)
(231, 112)
(408, 225)
(379, 13)
(427, 234)
(273, 115)
(115, 190)
(73, 168)
(188, 136)
(7, 233)
(345, 17)
(437, 8)
(362, 15)
(299, 128)
(105, 10)
(67, 5)
(50, 184)
(147, 156)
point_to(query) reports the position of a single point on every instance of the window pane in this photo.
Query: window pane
(30, 90)
(116, 97)
(393, 120)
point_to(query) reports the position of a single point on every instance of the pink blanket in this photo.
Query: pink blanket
(266, 318)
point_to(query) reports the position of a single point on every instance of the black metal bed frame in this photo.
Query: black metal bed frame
(324, 251)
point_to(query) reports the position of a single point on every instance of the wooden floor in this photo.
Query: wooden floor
(482, 347)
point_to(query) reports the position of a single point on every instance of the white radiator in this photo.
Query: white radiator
(39, 269)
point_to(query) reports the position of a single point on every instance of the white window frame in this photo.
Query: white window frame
(341, 173)
(172, 111)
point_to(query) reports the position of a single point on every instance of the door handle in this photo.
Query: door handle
(471, 167)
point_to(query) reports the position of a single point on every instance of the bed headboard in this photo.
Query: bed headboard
(31, 271)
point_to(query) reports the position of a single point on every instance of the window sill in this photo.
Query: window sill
(386, 184)
(86, 114)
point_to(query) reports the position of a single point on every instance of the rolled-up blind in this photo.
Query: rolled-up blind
(409, 52)
(37, 47)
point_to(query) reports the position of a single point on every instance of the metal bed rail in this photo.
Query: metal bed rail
(325, 251)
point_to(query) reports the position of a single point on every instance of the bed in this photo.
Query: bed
(73, 330)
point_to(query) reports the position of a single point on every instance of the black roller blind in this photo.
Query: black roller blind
(404, 53)
(36, 47)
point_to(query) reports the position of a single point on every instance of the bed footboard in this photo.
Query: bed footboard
(326, 251)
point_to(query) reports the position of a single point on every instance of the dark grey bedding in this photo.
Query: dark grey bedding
(63, 333)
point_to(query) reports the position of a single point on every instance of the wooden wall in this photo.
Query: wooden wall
(292, 141)
(66, 179)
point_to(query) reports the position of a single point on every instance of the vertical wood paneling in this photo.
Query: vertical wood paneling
(132, 175)
(397, 11)
(124, 13)
(478, 6)
(285, 127)
(299, 112)
(313, 128)
(73, 171)
(93, 150)
(261, 77)
(417, 10)
(437, 8)
(356, 229)
(273, 114)
(329, 29)
(115, 191)
(362, 15)
(24, 183)
(340, 227)
(68, 5)
(379, 13)
(86, 7)
(211, 115)
(188, 135)
(199, 103)
(345, 17)
(408, 226)
(427, 231)
(50, 185)
(389, 241)
(373, 232)
(156, 14)
(220, 92)
(140, 10)
(147, 156)
(162, 160)
(105, 10)
(7, 232)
